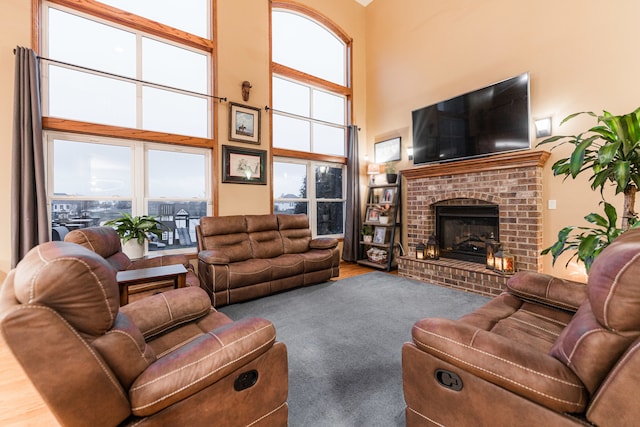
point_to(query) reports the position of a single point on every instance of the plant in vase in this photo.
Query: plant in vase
(383, 212)
(367, 233)
(133, 231)
(390, 171)
(611, 152)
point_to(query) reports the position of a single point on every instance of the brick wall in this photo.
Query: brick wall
(512, 181)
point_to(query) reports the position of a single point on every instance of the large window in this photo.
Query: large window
(93, 180)
(127, 96)
(313, 188)
(311, 97)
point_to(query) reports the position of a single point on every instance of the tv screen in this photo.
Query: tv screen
(486, 121)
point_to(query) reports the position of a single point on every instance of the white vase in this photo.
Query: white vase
(384, 219)
(367, 239)
(133, 249)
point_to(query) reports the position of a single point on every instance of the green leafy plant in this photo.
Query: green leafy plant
(588, 242)
(135, 227)
(367, 230)
(389, 168)
(610, 152)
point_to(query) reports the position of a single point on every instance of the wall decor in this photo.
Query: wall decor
(244, 123)
(243, 165)
(387, 151)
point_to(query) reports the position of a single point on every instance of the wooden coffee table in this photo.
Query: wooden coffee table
(155, 277)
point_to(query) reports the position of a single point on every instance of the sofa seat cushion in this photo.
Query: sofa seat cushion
(287, 265)
(249, 272)
(317, 259)
(522, 369)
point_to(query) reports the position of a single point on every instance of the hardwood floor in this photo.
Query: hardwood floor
(20, 403)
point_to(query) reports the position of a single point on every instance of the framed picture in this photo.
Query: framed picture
(243, 165)
(387, 197)
(373, 215)
(387, 151)
(380, 235)
(244, 123)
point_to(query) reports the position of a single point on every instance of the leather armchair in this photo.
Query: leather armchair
(545, 352)
(169, 359)
(105, 242)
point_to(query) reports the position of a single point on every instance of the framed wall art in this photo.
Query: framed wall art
(243, 165)
(244, 123)
(387, 151)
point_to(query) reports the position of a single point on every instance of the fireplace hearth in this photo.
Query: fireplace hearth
(464, 231)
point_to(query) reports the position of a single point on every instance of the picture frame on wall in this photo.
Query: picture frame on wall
(380, 235)
(244, 123)
(243, 165)
(387, 151)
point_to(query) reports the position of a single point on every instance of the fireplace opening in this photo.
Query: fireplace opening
(463, 231)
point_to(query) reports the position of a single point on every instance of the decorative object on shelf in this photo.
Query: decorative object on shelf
(367, 233)
(243, 165)
(387, 151)
(610, 153)
(390, 171)
(492, 247)
(504, 262)
(133, 232)
(380, 235)
(246, 88)
(373, 169)
(383, 211)
(420, 250)
(379, 256)
(373, 215)
(432, 249)
(244, 123)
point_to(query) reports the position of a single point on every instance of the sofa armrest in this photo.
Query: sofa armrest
(535, 375)
(158, 313)
(548, 290)
(203, 362)
(323, 243)
(213, 256)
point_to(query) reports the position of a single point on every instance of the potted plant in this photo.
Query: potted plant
(610, 151)
(367, 233)
(390, 170)
(133, 232)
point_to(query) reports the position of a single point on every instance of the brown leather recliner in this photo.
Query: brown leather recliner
(547, 352)
(105, 242)
(166, 360)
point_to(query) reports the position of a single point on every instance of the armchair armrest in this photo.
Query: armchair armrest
(549, 290)
(204, 361)
(520, 369)
(158, 313)
(213, 256)
(323, 243)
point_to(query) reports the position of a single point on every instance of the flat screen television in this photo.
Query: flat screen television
(491, 120)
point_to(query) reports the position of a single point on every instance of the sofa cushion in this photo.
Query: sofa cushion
(287, 265)
(227, 233)
(46, 272)
(264, 236)
(249, 272)
(317, 259)
(295, 232)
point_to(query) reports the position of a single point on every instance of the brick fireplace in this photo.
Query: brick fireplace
(511, 181)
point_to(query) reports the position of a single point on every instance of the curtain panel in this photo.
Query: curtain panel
(353, 220)
(29, 219)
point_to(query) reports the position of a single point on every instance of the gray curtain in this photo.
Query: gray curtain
(29, 221)
(353, 222)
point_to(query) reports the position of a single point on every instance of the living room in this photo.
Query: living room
(406, 55)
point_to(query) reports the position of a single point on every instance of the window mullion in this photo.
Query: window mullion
(139, 205)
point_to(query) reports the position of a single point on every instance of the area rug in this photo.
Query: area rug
(344, 340)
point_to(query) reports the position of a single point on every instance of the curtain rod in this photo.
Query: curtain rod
(267, 108)
(131, 79)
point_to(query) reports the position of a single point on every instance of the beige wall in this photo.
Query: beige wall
(243, 54)
(580, 56)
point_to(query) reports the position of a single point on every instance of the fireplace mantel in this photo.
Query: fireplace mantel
(479, 164)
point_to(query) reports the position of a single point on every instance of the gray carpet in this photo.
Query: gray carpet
(344, 340)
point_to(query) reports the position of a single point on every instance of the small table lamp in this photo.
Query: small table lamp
(373, 170)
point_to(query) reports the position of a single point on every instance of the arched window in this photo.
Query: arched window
(311, 104)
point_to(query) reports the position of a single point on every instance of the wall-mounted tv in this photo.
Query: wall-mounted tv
(485, 121)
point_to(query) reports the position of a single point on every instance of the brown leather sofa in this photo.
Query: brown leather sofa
(547, 352)
(243, 257)
(105, 242)
(166, 360)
